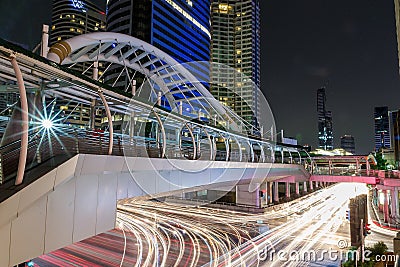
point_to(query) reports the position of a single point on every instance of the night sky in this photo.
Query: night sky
(347, 45)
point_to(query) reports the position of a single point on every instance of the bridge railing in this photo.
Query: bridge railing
(73, 141)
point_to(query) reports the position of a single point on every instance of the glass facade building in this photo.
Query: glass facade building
(181, 28)
(382, 128)
(325, 127)
(235, 56)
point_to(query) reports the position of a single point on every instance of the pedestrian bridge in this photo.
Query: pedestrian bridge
(72, 145)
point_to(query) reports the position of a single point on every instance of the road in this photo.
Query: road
(310, 231)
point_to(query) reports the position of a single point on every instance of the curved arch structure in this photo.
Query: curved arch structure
(182, 91)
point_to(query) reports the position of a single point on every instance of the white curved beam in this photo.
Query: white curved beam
(24, 121)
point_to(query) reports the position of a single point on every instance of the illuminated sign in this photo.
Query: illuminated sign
(77, 4)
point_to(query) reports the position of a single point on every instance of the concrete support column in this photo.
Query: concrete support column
(396, 202)
(305, 186)
(297, 188)
(392, 204)
(316, 184)
(287, 189)
(276, 191)
(385, 207)
(271, 199)
(311, 186)
(243, 196)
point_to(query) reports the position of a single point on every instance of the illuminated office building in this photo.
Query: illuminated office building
(74, 17)
(181, 28)
(382, 128)
(325, 127)
(235, 42)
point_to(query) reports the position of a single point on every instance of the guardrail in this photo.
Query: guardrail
(73, 141)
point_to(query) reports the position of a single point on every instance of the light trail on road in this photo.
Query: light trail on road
(160, 234)
(208, 237)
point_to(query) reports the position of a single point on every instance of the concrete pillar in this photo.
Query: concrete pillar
(243, 196)
(276, 191)
(311, 186)
(271, 199)
(394, 200)
(316, 184)
(297, 188)
(385, 207)
(287, 189)
(305, 186)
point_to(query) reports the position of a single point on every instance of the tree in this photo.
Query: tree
(381, 163)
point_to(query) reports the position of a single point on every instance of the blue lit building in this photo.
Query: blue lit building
(181, 28)
(382, 128)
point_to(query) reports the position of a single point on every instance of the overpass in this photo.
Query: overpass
(60, 180)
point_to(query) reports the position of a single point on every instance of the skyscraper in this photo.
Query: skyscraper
(325, 128)
(347, 143)
(181, 28)
(382, 129)
(235, 42)
(74, 17)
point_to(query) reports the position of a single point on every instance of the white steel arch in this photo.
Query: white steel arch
(175, 81)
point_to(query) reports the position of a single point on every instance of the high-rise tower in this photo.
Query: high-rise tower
(235, 42)
(325, 128)
(74, 17)
(382, 128)
(181, 28)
